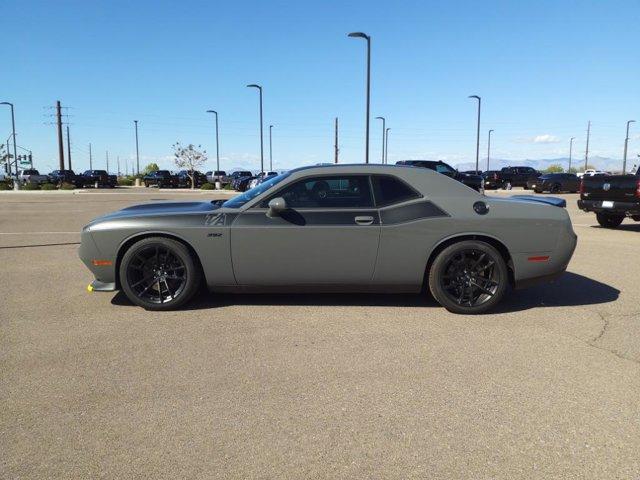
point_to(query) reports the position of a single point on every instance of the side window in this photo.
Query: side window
(389, 190)
(348, 191)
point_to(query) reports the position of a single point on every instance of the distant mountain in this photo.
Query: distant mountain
(601, 163)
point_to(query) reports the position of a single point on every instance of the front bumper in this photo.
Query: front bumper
(98, 286)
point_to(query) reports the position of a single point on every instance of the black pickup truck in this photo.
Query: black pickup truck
(98, 178)
(184, 179)
(58, 177)
(161, 179)
(470, 180)
(611, 197)
(516, 176)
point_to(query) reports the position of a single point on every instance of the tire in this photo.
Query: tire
(456, 283)
(159, 274)
(146, 185)
(537, 191)
(555, 188)
(607, 220)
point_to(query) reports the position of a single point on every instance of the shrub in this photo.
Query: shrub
(30, 186)
(227, 187)
(48, 186)
(5, 186)
(125, 182)
(208, 186)
(67, 186)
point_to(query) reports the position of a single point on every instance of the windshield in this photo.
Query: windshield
(240, 200)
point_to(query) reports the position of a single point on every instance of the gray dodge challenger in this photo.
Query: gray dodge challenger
(339, 228)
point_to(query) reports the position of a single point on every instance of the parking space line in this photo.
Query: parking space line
(38, 233)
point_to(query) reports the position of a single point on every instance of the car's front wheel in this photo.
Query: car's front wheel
(159, 273)
(468, 277)
(609, 221)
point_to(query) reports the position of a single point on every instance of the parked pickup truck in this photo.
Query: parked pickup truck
(470, 180)
(66, 176)
(161, 179)
(184, 179)
(31, 175)
(516, 176)
(611, 197)
(98, 178)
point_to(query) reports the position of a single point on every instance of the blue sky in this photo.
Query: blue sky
(542, 68)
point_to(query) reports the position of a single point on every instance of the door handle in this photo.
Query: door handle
(364, 220)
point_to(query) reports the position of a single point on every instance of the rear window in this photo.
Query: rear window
(388, 190)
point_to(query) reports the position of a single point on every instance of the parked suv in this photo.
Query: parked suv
(217, 176)
(161, 179)
(98, 178)
(470, 180)
(65, 176)
(517, 176)
(555, 183)
(184, 179)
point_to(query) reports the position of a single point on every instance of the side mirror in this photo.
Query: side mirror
(276, 207)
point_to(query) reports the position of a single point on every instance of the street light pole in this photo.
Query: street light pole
(253, 85)
(489, 149)
(217, 141)
(383, 135)
(386, 143)
(586, 151)
(13, 130)
(570, 153)
(270, 149)
(626, 143)
(137, 150)
(478, 131)
(368, 39)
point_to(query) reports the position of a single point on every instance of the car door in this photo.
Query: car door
(329, 234)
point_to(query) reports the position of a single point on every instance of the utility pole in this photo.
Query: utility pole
(118, 160)
(137, 151)
(335, 145)
(477, 131)
(586, 152)
(626, 143)
(368, 39)
(107, 162)
(90, 159)
(270, 149)
(489, 149)
(60, 142)
(386, 142)
(570, 153)
(69, 148)
(253, 85)
(384, 122)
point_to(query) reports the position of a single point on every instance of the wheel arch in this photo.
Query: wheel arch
(494, 242)
(126, 244)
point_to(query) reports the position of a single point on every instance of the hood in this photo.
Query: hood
(161, 208)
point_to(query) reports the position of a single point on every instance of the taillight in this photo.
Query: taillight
(581, 191)
(638, 189)
(495, 176)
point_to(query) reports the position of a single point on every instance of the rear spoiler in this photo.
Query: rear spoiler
(555, 201)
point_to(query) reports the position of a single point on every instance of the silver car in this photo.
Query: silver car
(342, 228)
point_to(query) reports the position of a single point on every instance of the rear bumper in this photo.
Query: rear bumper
(619, 208)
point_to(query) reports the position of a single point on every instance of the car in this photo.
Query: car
(612, 198)
(65, 176)
(185, 179)
(516, 176)
(217, 176)
(471, 180)
(591, 172)
(31, 175)
(160, 179)
(241, 184)
(492, 180)
(555, 183)
(261, 177)
(342, 228)
(97, 179)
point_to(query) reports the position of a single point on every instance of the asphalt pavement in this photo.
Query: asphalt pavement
(311, 386)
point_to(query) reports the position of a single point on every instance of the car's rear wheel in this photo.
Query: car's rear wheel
(468, 277)
(609, 221)
(555, 188)
(159, 273)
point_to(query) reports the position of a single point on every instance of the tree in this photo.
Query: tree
(189, 158)
(151, 167)
(554, 169)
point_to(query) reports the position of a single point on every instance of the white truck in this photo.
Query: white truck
(31, 175)
(590, 172)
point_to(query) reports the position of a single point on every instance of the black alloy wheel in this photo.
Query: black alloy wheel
(555, 188)
(468, 277)
(159, 273)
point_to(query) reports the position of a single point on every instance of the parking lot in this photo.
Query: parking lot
(309, 386)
